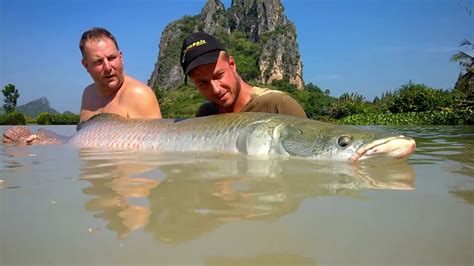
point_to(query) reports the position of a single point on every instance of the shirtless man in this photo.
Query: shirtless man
(112, 91)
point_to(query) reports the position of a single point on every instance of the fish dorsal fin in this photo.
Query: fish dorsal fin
(105, 116)
(98, 117)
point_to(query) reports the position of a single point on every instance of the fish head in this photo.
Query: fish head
(323, 141)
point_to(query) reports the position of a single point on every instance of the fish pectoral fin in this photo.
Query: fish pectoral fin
(242, 142)
(255, 139)
(295, 142)
(296, 148)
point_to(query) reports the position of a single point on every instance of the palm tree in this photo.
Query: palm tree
(465, 59)
(353, 97)
(465, 82)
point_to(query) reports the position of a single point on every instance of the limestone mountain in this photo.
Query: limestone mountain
(33, 108)
(256, 32)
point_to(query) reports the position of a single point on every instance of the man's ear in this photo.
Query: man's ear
(84, 63)
(232, 63)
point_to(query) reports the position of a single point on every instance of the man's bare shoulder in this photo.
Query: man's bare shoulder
(139, 99)
(91, 102)
(89, 95)
(89, 90)
(133, 83)
(136, 87)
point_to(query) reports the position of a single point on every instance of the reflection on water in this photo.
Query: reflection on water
(126, 207)
(178, 201)
(467, 195)
(441, 143)
(266, 259)
(112, 181)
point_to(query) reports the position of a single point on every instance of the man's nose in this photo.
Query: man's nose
(216, 88)
(106, 65)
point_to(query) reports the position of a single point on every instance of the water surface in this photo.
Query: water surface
(60, 205)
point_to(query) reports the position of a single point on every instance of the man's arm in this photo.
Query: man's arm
(85, 112)
(276, 102)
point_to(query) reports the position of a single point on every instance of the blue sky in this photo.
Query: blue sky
(363, 46)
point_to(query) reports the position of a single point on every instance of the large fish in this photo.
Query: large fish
(247, 133)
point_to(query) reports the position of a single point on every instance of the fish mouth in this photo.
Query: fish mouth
(394, 148)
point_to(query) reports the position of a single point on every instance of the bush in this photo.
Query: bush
(44, 118)
(65, 119)
(13, 118)
(314, 101)
(348, 104)
(445, 117)
(415, 98)
(57, 119)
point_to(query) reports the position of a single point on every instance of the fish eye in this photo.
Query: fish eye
(344, 141)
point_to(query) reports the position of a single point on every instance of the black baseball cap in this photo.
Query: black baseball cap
(199, 48)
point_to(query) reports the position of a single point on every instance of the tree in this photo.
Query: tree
(465, 58)
(348, 104)
(466, 6)
(11, 94)
(465, 82)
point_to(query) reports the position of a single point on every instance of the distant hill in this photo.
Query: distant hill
(33, 108)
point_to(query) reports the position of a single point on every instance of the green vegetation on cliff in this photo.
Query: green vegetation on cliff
(244, 52)
(179, 103)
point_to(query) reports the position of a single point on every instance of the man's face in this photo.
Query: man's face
(218, 82)
(104, 63)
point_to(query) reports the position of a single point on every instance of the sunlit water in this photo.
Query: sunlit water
(60, 206)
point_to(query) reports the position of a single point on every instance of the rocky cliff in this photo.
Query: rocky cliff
(262, 22)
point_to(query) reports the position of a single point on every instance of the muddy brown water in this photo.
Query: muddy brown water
(60, 205)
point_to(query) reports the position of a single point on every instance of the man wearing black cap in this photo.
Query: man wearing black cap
(206, 62)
